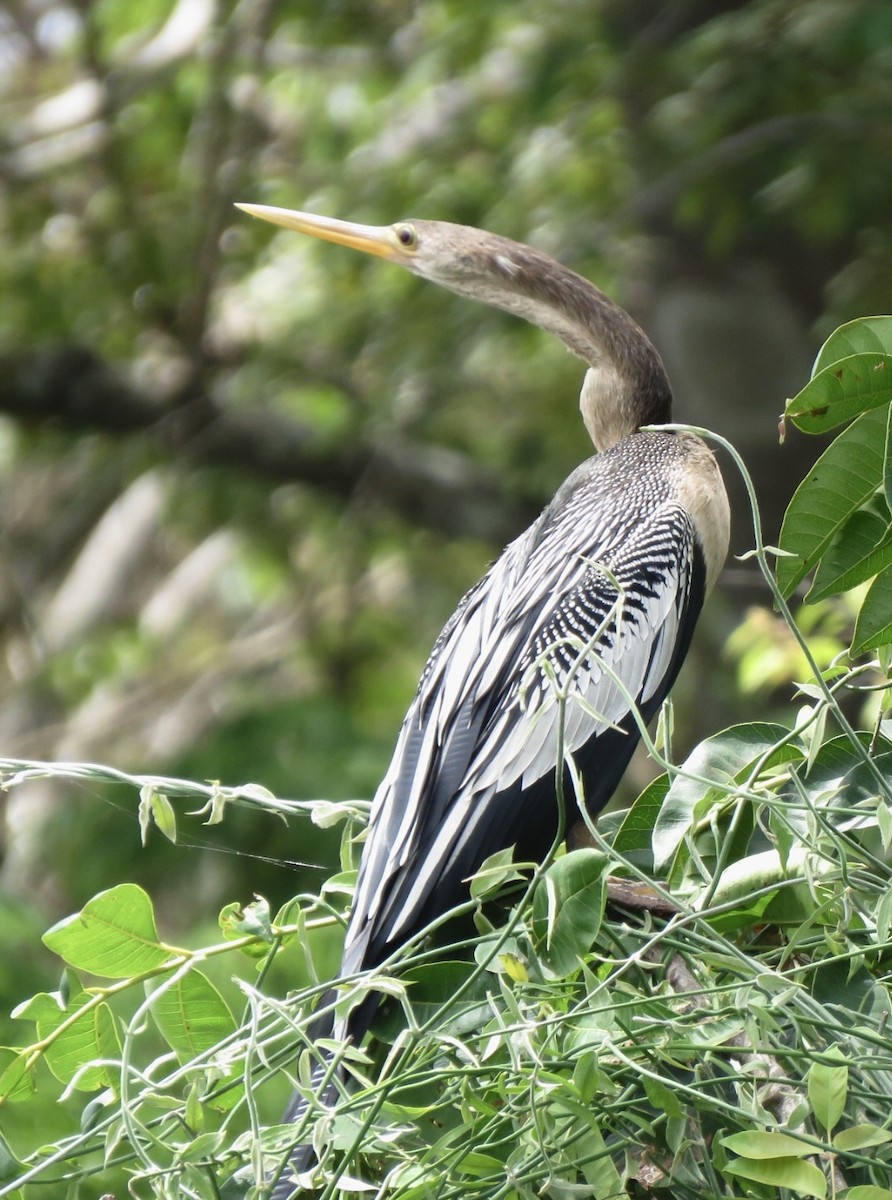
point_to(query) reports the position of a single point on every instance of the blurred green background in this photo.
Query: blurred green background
(246, 477)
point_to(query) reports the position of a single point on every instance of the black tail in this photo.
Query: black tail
(301, 1157)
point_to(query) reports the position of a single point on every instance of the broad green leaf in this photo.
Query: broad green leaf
(636, 830)
(828, 1087)
(753, 1143)
(478, 1164)
(843, 479)
(740, 880)
(586, 1076)
(77, 1030)
(723, 761)
(841, 392)
(568, 907)
(861, 549)
(868, 1191)
(595, 1162)
(430, 995)
(113, 935)
(873, 627)
(191, 1015)
(840, 777)
(793, 1173)
(864, 335)
(859, 1137)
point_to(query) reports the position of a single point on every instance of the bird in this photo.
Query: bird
(590, 608)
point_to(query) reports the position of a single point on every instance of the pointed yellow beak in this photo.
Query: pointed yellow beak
(371, 239)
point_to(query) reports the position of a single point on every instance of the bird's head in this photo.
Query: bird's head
(458, 257)
(627, 383)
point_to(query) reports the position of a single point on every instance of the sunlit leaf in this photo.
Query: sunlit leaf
(113, 935)
(191, 1015)
(864, 335)
(766, 1144)
(76, 1031)
(841, 392)
(828, 1086)
(793, 1173)
(859, 1137)
(844, 478)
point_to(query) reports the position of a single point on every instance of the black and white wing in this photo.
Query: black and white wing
(594, 593)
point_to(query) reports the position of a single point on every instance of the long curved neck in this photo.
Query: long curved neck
(626, 385)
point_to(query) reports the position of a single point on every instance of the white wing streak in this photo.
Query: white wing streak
(485, 717)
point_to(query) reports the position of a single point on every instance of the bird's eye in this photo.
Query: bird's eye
(406, 236)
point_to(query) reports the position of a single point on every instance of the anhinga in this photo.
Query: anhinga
(606, 585)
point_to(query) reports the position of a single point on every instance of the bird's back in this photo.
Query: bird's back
(474, 769)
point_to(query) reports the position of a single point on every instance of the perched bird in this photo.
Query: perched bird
(606, 585)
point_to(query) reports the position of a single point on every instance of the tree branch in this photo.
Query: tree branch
(71, 387)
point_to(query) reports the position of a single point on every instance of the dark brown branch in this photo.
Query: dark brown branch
(70, 387)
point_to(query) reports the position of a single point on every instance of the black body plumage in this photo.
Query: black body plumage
(474, 767)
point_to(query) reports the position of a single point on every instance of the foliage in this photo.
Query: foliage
(729, 1037)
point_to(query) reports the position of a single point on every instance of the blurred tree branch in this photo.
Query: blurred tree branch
(70, 386)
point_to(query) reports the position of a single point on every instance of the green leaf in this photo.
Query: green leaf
(493, 873)
(165, 816)
(883, 913)
(793, 1173)
(868, 1191)
(9, 1164)
(77, 1030)
(113, 935)
(155, 807)
(596, 1164)
(636, 830)
(828, 1087)
(191, 1015)
(662, 1097)
(567, 909)
(844, 478)
(864, 335)
(859, 1137)
(720, 762)
(16, 1075)
(842, 391)
(430, 995)
(861, 549)
(873, 627)
(753, 1143)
